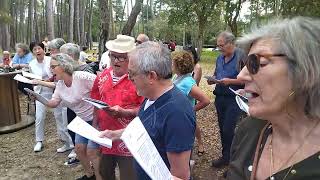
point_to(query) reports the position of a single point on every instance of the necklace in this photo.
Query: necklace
(290, 157)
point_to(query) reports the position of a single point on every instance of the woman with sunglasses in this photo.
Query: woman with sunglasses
(72, 86)
(280, 139)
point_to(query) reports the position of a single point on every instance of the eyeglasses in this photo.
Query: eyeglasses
(118, 58)
(253, 61)
(138, 42)
(221, 46)
(52, 66)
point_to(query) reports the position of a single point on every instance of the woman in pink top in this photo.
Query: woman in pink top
(70, 89)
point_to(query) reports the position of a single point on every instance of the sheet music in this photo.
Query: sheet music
(30, 75)
(20, 78)
(84, 129)
(40, 98)
(138, 141)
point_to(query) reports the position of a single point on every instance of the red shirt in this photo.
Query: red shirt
(124, 94)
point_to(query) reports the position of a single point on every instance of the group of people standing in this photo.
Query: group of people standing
(275, 70)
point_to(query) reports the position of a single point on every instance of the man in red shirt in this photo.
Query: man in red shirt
(113, 87)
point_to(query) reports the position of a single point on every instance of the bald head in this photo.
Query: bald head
(142, 38)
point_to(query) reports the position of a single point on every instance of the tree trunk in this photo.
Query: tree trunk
(31, 18)
(105, 22)
(77, 21)
(132, 18)
(71, 15)
(50, 20)
(82, 7)
(21, 22)
(4, 25)
(90, 24)
(35, 16)
(13, 26)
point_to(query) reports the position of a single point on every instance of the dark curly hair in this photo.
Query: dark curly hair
(183, 62)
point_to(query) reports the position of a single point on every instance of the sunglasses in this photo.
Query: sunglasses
(253, 61)
(118, 58)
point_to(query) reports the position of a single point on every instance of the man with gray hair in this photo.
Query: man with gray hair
(141, 39)
(225, 77)
(73, 50)
(54, 45)
(166, 113)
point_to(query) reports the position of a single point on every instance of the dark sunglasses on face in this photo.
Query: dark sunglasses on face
(118, 58)
(253, 61)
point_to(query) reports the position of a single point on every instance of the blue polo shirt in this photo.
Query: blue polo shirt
(22, 60)
(170, 122)
(230, 69)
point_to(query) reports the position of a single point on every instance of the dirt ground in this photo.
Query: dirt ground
(18, 161)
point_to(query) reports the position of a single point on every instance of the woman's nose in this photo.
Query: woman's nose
(244, 74)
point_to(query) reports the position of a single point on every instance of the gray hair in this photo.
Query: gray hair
(298, 39)
(56, 43)
(153, 56)
(227, 36)
(72, 50)
(143, 37)
(23, 46)
(66, 62)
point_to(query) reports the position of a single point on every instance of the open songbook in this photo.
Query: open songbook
(30, 75)
(96, 103)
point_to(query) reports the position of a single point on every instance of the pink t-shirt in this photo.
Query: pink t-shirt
(71, 97)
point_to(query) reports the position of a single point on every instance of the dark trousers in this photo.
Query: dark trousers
(108, 164)
(228, 114)
(71, 115)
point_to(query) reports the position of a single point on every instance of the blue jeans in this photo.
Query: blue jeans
(228, 114)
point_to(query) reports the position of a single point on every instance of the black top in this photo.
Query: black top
(243, 150)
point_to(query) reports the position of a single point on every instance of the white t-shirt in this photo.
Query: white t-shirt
(83, 56)
(71, 97)
(43, 70)
(105, 61)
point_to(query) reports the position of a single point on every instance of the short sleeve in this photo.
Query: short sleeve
(15, 59)
(179, 131)
(85, 78)
(95, 89)
(187, 85)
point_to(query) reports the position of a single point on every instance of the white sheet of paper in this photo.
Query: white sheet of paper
(40, 98)
(30, 75)
(96, 103)
(20, 78)
(242, 105)
(84, 129)
(138, 141)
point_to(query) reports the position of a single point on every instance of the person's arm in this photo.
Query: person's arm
(229, 81)
(44, 83)
(179, 164)
(53, 103)
(113, 135)
(119, 112)
(197, 73)
(201, 97)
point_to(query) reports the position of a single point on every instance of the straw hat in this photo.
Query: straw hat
(123, 44)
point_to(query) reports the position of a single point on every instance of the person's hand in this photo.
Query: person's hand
(35, 82)
(114, 111)
(212, 80)
(113, 135)
(225, 81)
(32, 97)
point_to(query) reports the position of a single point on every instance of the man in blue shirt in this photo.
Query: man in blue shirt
(227, 69)
(22, 57)
(166, 113)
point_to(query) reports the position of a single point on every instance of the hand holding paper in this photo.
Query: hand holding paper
(84, 129)
(37, 96)
(96, 103)
(138, 141)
